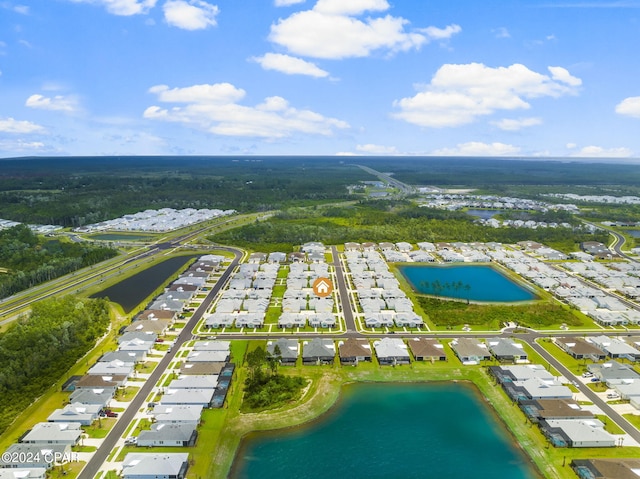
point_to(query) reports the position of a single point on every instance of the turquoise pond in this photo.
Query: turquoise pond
(472, 282)
(391, 430)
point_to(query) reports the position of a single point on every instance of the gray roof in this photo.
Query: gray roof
(501, 347)
(318, 348)
(54, 432)
(391, 348)
(288, 348)
(204, 381)
(583, 431)
(40, 454)
(212, 345)
(146, 464)
(167, 432)
(177, 413)
(188, 396)
(24, 473)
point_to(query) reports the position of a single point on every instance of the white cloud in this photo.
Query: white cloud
(215, 108)
(629, 107)
(599, 152)
(56, 103)
(14, 146)
(10, 125)
(436, 33)
(290, 65)
(371, 149)
(571, 146)
(286, 3)
(21, 9)
(476, 148)
(512, 124)
(191, 15)
(123, 7)
(562, 75)
(458, 94)
(331, 30)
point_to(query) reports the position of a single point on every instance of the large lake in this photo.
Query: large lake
(472, 282)
(391, 430)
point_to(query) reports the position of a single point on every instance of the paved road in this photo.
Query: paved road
(403, 187)
(592, 396)
(343, 292)
(100, 456)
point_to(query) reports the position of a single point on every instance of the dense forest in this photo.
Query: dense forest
(75, 191)
(38, 350)
(391, 221)
(29, 260)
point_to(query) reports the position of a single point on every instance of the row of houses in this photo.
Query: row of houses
(378, 292)
(245, 302)
(454, 202)
(388, 351)
(165, 219)
(472, 351)
(548, 403)
(620, 276)
(598, 348)
(592, 301)
(176, 417)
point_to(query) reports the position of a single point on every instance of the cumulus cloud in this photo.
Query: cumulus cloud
(286, 3)
(190, 15)
(513, 124)
(10, 125)
(476, 148)
(436, 33)
(332, 30)
(289, 65)
(372, 149)
(55, 103)
(123, 7)
(459, 94)
(629, 107)
(216, 109)
(600, 152)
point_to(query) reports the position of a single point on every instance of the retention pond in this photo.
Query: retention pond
(391, 430)
(468, 282)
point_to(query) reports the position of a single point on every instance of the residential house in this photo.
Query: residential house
(84, 414)
(286, 352)
(198, 397)
(202, 367)
(24, 473)
(425, 349)
(354, 350)
(507, 350)
(613, 373)
(391, 351)
(318, 351)
(604, 468)
(577, 433)
(470, 351)
(68, 433)
(537, 409)
(615, 348)
(169, 414)
(195, 382)
(578, 348)
(208, 356)
(156, 466)
(168, 435)
(23, 455)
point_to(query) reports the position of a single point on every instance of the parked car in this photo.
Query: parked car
(131, 440)
(111, 414)
(159, 340)
(613, 396)
(587, 375)
(595, 380)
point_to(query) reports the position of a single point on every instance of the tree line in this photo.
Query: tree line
(37, 350)
(30, 259)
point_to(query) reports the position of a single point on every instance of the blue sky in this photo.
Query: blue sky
(320, 77)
